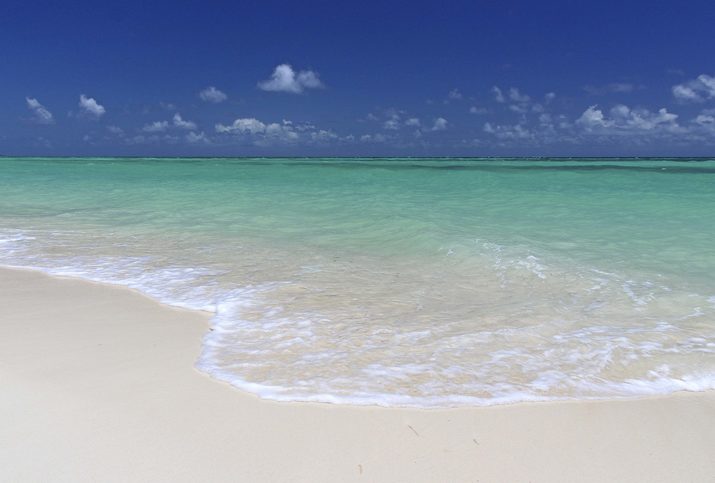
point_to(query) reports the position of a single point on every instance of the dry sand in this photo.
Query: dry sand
(98, 384)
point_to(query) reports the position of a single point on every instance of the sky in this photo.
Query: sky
(369, 78)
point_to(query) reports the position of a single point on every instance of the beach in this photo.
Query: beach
(99, 384)
(370, 242)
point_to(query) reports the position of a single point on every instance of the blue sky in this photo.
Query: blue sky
(357, 78)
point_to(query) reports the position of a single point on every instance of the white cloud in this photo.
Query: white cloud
(517, 96)
(280, 132)
(211, 94)
(116, 130)
(623, 119)
(593, 118)
(520, 109)
(391, 124)
(287, 132)
(440, 124)
(154, 138)
(550, 96)
(197, 138)
(40, 113)
(643, 119)
(518, 101)
(685, 93)
(413, 121)
(545, 119)
(167, 106)
(705, 120)
(478, 110)
(498, 94)
(696, 90)
(373, 138)
(618, 124)
(508, 132)
(454, 95)
(309, 79)
(90, 107)
(177, 121)
(323, 136)
(156, 126)
(180, 123)
(285, 79)
(243, 125)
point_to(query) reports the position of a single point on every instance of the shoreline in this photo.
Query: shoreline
(100, 384)
(209, 315)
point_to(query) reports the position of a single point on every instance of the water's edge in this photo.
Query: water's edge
(271, 394)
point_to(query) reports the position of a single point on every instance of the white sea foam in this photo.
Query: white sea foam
(538, 333)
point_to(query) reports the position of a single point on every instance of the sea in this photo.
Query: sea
(398, 281)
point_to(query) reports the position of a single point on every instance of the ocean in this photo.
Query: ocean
(398, 282)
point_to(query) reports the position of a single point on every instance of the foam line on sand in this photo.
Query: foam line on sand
(98, 384)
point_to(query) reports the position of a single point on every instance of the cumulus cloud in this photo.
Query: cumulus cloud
(393, 121)
(156, 126)
(478, 110)
(249, 125)
(696, 90)
(260, 132)
(593, 118)
(213, 95)
(286, 132)
(153, 139)
(285, 79)
(373, 138)
(391, 124)
(508, 132)
(498, 94)
(518, 101)
(40, 113)
(197, 138)
(89, 107)
(454, 95)
(440, 124)
(705, 120)
(177, 122)
(546, 129)
(623, 119)
(513, 95)
(323, 136)
(620, 123)
(643, 119)
(116, 130)
(182, 124)
(516, 96)
(686, 93)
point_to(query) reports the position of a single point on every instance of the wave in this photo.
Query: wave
(539, 334)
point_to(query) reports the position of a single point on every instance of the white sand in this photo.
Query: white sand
(98, 384)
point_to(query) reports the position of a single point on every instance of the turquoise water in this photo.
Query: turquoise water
(421, 282)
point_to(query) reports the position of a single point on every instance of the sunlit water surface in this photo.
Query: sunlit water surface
(419, 282)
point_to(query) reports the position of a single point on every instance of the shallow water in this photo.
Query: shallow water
(422, 282)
